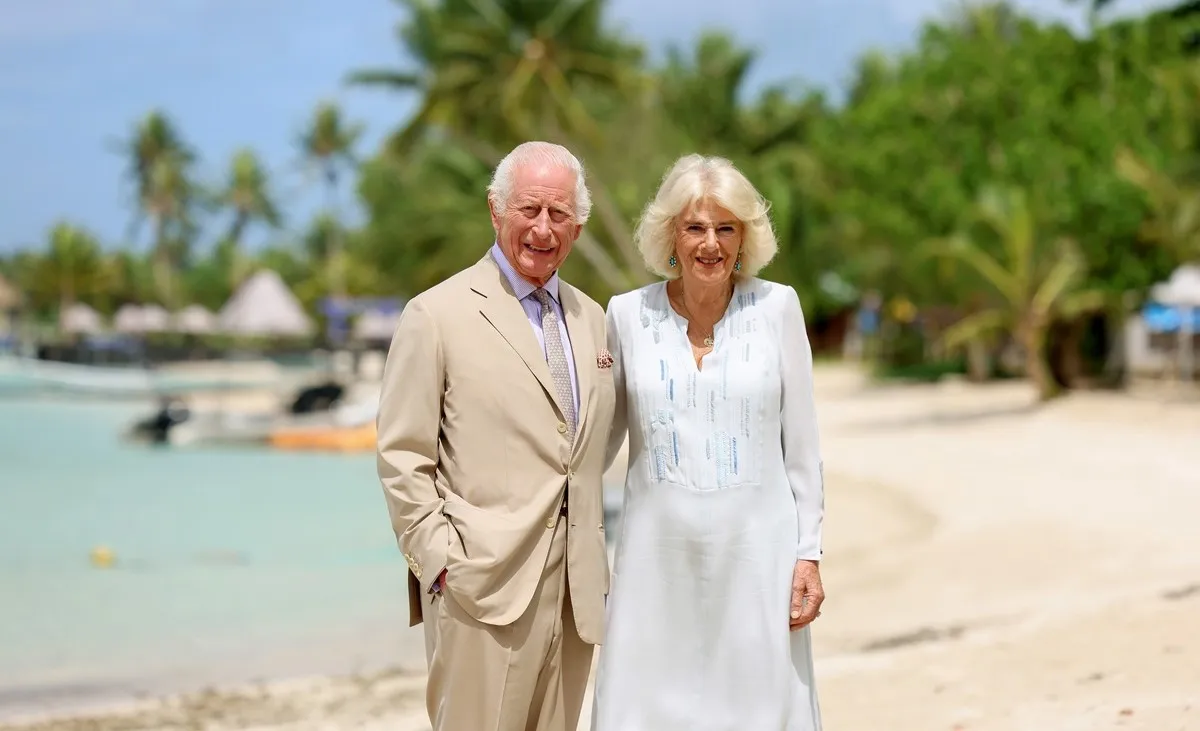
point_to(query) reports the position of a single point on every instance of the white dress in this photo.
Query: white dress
(724, 493)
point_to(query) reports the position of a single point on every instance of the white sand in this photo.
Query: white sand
(988, 567)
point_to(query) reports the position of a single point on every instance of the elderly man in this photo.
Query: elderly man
(496, 406)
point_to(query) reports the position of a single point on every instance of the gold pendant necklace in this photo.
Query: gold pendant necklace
(708, 340)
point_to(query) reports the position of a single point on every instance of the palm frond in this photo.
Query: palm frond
(975, 326)
(960, 248)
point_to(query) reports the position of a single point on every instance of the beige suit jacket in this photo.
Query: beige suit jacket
(473, 454)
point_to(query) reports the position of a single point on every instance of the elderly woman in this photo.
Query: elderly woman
(716, 573)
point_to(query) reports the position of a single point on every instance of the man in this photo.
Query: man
(496, 405)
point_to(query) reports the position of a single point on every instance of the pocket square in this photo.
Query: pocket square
(604, 359)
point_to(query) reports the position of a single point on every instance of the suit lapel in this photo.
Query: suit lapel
(583, 349)
(502, 309)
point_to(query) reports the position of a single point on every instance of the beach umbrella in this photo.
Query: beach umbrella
(80, 319)
(195, 320)
(132, 318)
(128, 319)
(264, 306)
(155, 319)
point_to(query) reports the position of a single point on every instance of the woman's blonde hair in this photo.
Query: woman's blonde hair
(694, 178)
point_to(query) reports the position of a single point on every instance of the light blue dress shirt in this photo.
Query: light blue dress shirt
(523, 289)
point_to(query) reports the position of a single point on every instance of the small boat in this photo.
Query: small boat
(333, 438)
(314, 414)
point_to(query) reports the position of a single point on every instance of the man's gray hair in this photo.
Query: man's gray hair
(540, 153)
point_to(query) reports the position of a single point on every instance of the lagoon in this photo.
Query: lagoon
(230, 565)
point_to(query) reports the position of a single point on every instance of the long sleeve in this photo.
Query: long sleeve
(410, 411)
(616, 437)
(801, 441)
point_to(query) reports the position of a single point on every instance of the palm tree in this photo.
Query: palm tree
(328, 143)
(69, 271)
(155, 137)
(159, 170)
(492, 73)
(1033, 284)
(505, 70)
(168, 198)
(1174, 220)
(247, 194)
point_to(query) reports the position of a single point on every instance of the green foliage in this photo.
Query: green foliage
(1055, 172)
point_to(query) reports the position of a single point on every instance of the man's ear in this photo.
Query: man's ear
(494, 214)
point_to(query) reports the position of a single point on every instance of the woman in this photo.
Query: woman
(715, 579)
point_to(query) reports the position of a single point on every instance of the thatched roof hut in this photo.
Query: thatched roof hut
(194, 319)
(264, 306)
(141, 319)
(79, 319)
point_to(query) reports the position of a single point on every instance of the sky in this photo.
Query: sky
(77, 75)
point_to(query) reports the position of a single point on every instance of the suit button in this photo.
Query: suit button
(550, 523)
(562, 428)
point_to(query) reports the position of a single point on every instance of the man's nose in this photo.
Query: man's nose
(541, 225)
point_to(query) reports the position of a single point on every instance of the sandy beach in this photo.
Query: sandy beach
(989, 565)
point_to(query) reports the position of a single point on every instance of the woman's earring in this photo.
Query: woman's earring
(671, 262)
(737, 264)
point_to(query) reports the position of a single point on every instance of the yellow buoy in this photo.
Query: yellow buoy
(103, 557)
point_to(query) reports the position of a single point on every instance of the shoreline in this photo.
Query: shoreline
(992, 566)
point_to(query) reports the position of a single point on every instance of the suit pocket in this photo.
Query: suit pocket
(493, 562)
(482, 541)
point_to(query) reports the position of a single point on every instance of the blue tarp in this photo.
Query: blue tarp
(338, 310)
(1161, 318)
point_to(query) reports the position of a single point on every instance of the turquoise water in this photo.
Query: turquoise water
(230, 565)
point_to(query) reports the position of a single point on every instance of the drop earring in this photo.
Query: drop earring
(671, 262)
(737, 264)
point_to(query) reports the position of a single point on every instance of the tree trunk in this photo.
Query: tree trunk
(602, 262)
(1033, 338)
(237, 228)
(162, 262)
(978, 367)
(337, 271)
(66, 291)
(1071, 358)
(612, 219)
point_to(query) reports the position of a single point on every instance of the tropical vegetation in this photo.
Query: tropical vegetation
(1003, 183)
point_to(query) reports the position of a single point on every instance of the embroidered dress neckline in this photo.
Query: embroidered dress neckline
(681, 324)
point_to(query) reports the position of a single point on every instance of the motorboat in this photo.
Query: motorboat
(317, 409)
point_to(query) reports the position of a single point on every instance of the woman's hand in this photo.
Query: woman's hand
(807, 593)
